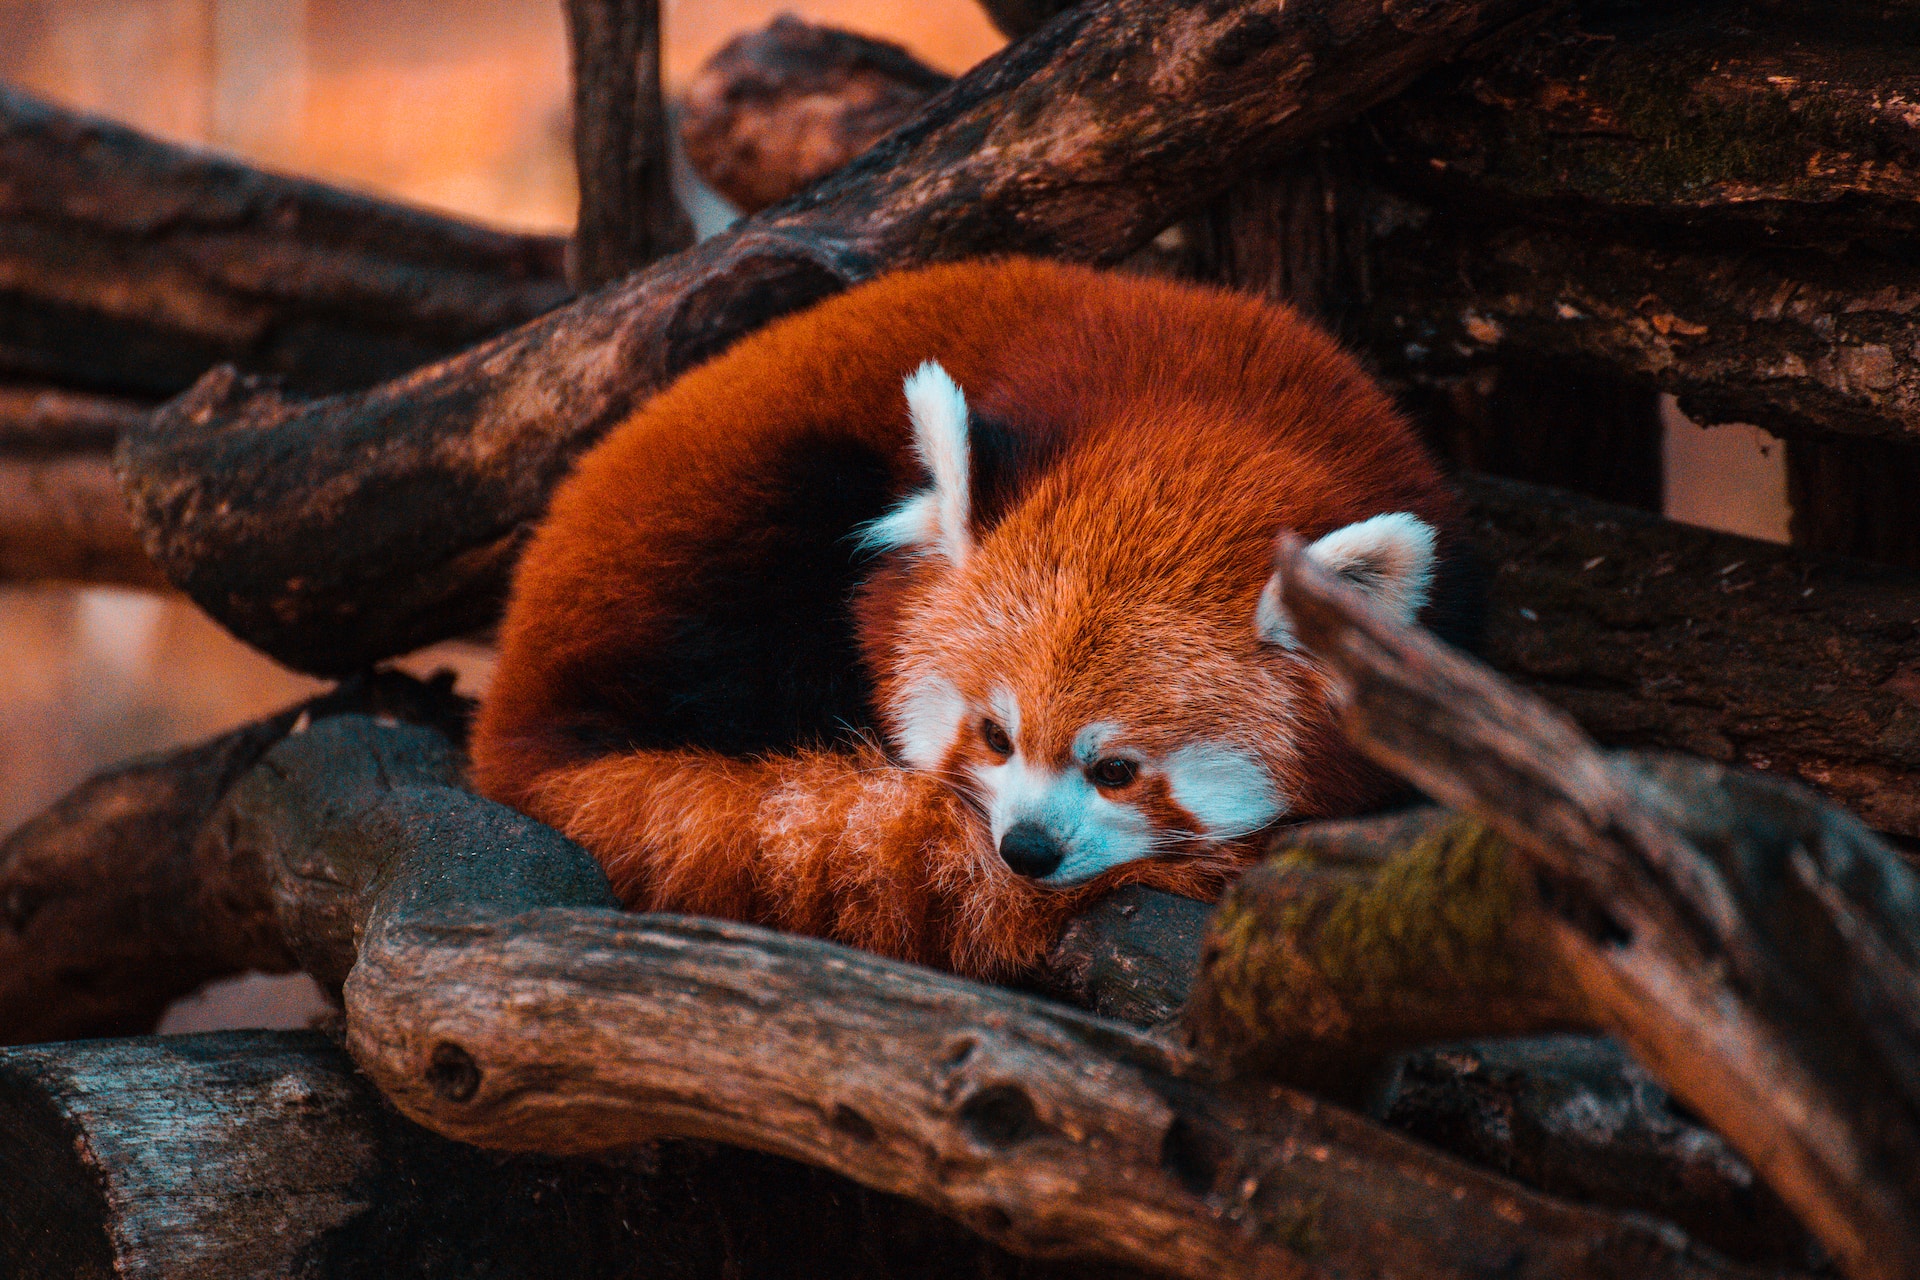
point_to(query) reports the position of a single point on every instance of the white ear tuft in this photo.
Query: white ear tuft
(1389, 557)
(935, 521)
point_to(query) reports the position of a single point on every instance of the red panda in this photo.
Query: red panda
(918, 620)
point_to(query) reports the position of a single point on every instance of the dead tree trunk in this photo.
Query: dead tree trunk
(628, 213)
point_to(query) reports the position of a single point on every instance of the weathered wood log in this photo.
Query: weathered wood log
(777, 109)
(628, 213)
(134, 265)
(253, 1155)
(1570, 1115)
(1699, 120)
(1048, 1131)
(1576, 1116)
(420, 490)
(109, 909)
(1758, 951)
(1657, 635)
(63, 516)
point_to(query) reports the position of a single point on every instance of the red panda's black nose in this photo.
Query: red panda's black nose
(1029, 850)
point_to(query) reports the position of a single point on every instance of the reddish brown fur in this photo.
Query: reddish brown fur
(645, 702)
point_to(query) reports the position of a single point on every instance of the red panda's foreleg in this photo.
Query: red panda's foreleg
(837, 844)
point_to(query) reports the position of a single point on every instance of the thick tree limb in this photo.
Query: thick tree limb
(132, 265)
(249, 1155)
(628, 213)
(109, 907)
(1698, 120)
(1759, 952)
(420, 489)
(776, 110)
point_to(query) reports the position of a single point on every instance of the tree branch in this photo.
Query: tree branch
(628, 213)
(421, 489)
(133, 266)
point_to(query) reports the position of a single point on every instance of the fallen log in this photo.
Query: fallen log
(421, 489)
(245, 1156)
(628, 213)
(1759, 952)
(1575, 1116)
(133, 266)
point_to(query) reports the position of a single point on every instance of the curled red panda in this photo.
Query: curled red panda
(921, 618)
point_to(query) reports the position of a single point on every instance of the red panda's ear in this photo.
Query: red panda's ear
(1389, 557)
(937, 520)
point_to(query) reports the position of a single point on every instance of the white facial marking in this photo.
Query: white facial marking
(1389, 557)
(936, 520)
(1096, 833)
(927, 715)
(1227, 790)
(1006, 710)
(1087, 742)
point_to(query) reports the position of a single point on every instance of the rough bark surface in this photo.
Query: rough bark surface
(1702, 121)
(250, 1155)
(628, 213)
(109, 907)
(1314, 973)
(420, 489)
(1758, 951)
(132, 265)
(776, 110)
(1654, 634)
(1578, 1117)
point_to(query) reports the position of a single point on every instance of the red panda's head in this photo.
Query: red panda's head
(1106, 670)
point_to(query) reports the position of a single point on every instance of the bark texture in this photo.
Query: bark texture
(109, 907)
(776, 110)
(1658, 635)
(628, 213)
(1759, 951)
(132, 266)
(420, 489)
(251, 1155)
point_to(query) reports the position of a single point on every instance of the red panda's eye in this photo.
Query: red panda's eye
(997, 740)
(1113, 772)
